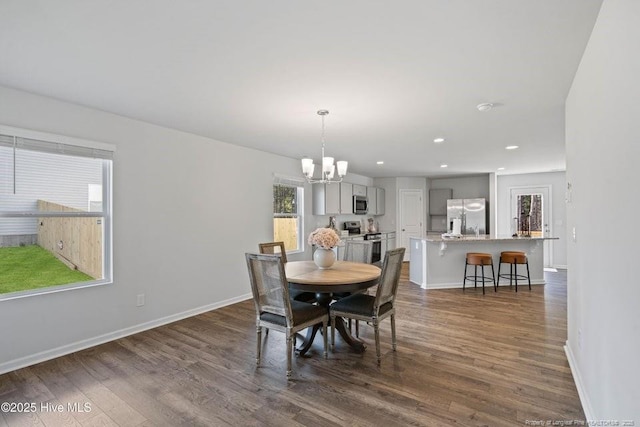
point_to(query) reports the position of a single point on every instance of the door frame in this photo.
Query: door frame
(401, 193)
(547, 207)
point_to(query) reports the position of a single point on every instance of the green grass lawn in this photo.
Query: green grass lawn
(31, 267)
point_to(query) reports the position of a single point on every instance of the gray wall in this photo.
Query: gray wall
(557, 183)
(603, 151)
(184, 214)
(468, 187)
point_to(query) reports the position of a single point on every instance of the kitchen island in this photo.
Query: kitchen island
(437, 262)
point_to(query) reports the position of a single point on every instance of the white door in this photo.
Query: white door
(518, 195)
(411, 217)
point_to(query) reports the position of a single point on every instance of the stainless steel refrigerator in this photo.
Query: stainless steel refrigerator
(472, 213)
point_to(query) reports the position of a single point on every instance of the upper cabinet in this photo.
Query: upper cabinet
(337, 199)
(380, 201)
(346, 198)
(438, 200)
(375, 200)
(372, 201)
(359, 190)
(332, 199)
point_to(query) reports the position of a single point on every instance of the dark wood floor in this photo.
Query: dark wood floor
(462, 359)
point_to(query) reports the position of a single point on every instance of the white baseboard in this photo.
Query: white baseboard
(43, 356)
(577, 378)
(458, 285)
(560, 266)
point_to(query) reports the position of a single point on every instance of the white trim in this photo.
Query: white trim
(51, 137)
(549, 203)
(43, 356)
(577, 379)
(458, 285)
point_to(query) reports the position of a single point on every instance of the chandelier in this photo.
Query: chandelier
(328, 168)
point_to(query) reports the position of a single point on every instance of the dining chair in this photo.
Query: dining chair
(370, 308)
(358, 251)
(270, 248)
(274, 307)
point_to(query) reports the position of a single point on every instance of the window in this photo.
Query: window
(287, 213)
(55, 213)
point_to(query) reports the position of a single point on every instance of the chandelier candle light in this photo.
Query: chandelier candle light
(328, 168)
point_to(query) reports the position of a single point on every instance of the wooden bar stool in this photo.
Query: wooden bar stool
(478, 259)
(513, 258)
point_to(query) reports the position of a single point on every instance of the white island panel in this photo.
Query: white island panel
(437, 263)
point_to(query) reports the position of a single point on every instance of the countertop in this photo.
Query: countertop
(481, 238)
(351, 236)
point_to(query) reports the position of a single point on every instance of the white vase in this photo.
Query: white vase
(324, 258)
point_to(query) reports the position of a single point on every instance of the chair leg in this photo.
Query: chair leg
(324, 337)
(333, 333)
(528, 276)
(393, 331)
(349, 325)
(259, 345)
(376, 328)
(289, 351)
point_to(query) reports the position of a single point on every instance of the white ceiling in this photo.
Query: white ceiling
(394, 74)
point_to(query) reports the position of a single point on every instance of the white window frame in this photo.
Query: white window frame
(299, 184)
(80, 147)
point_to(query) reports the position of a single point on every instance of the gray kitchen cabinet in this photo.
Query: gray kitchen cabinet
(340, 248)
(372, 201)
(359, 190)
(346, 198)
(333, 199)
(326, 199)
(391, 240)
(438, 208)
(380, 201)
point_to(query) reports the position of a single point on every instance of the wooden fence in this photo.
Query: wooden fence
(75, 241)
(286, 230)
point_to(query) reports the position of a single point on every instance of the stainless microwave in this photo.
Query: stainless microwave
(360, 205)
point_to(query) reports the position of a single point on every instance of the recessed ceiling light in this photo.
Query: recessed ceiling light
(484, 107)
(380, 163)
(438, 140)
(500, 169)
(511, 147)
(444, 166)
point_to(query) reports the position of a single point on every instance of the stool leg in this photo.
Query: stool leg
(475, 277)
(493, 276)
(528, 277)
(511, 276)
(515, 275)
(499, 265)
(482, 279)
(465, 275)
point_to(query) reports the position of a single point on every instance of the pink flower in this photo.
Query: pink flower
(325, 238)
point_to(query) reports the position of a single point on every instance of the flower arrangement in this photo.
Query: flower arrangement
(325, 238)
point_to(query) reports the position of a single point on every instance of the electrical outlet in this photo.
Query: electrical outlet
(140, 300)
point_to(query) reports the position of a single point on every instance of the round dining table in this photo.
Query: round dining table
(342, 277)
